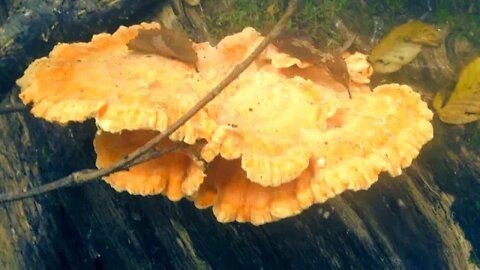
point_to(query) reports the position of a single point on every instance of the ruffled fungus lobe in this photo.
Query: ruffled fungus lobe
(283, 136)
(369, 134)
(176, 174)
(96, 79)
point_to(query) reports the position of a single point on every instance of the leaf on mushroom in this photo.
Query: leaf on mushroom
(337, 65)
(302, 47)
(464, 103)
(165, 42)
(402, 45)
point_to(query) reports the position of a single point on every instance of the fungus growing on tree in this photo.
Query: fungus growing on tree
(283, 136)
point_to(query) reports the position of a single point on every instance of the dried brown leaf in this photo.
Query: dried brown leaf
(165, 42)
(302, 47)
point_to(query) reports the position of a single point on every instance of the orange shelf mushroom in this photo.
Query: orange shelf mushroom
(175, 175)
(369, 134)
(122, 89)
(283, 136)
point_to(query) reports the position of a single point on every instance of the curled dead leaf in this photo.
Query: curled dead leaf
(302, 47)
(165, 42)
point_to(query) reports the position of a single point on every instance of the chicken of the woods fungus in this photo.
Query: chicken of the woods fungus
(281, 137)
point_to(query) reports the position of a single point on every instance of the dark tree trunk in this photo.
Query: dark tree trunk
(420, 220)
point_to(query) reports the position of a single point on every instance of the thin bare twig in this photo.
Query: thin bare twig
(81, 177)
(13, 108)
(134, 157)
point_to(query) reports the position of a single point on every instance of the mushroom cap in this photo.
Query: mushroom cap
(379, 131)
(358, 68)
(283, 136)
(262, 123)
(122, 89)
(175, 174)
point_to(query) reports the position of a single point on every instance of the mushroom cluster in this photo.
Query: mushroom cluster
(283, 136)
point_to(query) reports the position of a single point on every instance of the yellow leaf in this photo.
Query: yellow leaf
(438, 101)
(402, 45)
(464, 103)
